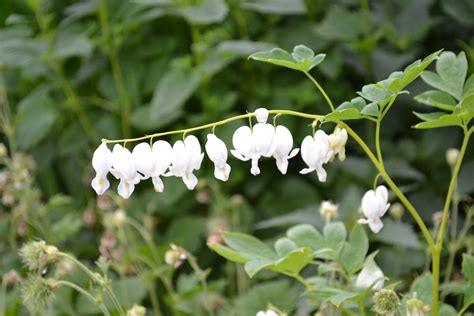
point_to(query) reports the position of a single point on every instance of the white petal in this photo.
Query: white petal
(216, 149)
(263, 135)
(100, 184)
(222, 173)
(375, 224)
(190, 180)
(282, 165)
(163, 153)
(125, 189)
(369, 275)
(308, 152)
(370, 205)
(123, 164)
(102, 160)
(307, 170)
(158, 184)
(293, 153)
(180, 159)
(243, 141)
(363, 221)
(382, 193)
(322, 174)
(143, 159)
(237, 155)
(255, 170)
(193, 149)
(261, 115)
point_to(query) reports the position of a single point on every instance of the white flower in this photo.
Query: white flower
(261, 114)
(337, 143)
(452, 155)
(123, 168)
(217, 152)
(374, 206)
(370, 275)
(253, 143)
(101, 162)
(315, 152)
(186, 158)
(328, 210)
(152, 163)
(267, 313)
(283, 144)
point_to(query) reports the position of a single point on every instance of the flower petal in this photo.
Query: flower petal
(100, 184)
(190, 180)
(125, 189)
(158, 184)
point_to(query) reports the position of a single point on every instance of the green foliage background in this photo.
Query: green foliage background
(78, 71)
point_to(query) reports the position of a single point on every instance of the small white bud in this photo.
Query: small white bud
(452, 155)
(328, 210)
(261, 115)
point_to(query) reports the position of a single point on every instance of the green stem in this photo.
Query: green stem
(86, 294)
(5, 115)
(202, 279)
(3, 297)
(440, 238)
(211, 125)
(392, 185)
(96, 278)
(323, 92)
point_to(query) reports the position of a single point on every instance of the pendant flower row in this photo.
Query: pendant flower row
(184, 157)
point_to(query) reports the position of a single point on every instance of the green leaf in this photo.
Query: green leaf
(305, 235)
(35, 118)
(465, 110)
(172, 91)
(294, 261)
(249, 246)
(450, 74)
(371, 109)
(438, 99)
(204, 12)
(227, 253)
(284, 246)
(340, 24)
(72, 41)
(400, 234)
(280, 7)
(355, 250)
(302, 58)
(415, 69)
(437, 119)
(374, 92)
(468, 297)
(335, 233)
(468, 267)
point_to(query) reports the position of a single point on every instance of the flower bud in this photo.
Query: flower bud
(136, 310)
(396, 211)
(386, 302)
(89, 217)
(452, 155)
(38, 293)
(37, 254)
(63, 268)
(261, 114)
(11, 278)
(175, 256)
(414, 307)
(437, 217)
(3, 150)
(328, 210)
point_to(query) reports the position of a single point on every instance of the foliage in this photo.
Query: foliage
(73, 72)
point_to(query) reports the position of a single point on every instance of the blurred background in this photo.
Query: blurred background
(73, 72)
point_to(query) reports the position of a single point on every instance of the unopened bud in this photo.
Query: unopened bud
(3, 150)
(37, 254)
(415, 307)
(136, 310)
(103, 202)
(38, 293)
(175, 256)
(437, 217)
(11, 278)
(386, 302)
(328, 210)
(89, 217)
(452, 155)
(396, 211)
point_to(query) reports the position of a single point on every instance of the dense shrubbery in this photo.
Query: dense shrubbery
(73, 72)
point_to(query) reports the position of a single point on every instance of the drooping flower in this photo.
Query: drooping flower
(283, 144)
(374, 206)
(123, 168)
(217, 152)
(186, 158)
(253, 143)
(370, 275)
(315, 152)
(337, 143)
(101, 162)
(152, 162)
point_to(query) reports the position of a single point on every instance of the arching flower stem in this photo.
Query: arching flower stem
(213, 125)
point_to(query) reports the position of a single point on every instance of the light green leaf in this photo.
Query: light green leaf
(437, 119)
(468, 297)
(469, 85)
(280, 7)
(253, 266)
(371, 109)
(294, 261)
(284, 246)
(374, 93)
(204, 12)
(335, 233)
(438, 99)
(468, 267)
(343, 115)
(227, 253)
(450, 74)
(302, 58)
(305, 235)
(72, 41)
(249, 246)
(415, 69)
(355, 250)
(400, 234)
(465, 110)
(340, 24)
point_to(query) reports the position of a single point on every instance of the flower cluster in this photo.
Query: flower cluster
(251, 143)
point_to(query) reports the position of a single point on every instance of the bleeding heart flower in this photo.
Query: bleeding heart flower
(374, 206)
(101, 162)
(217, 151)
